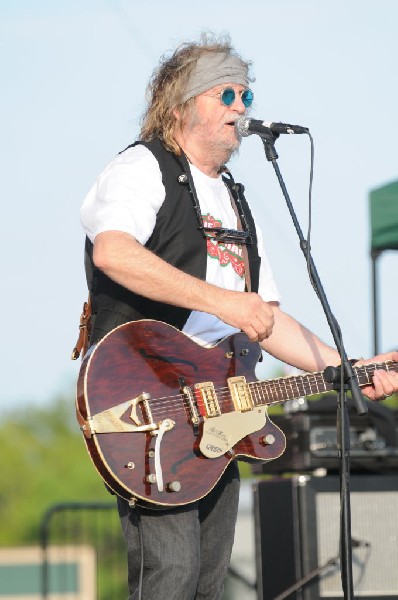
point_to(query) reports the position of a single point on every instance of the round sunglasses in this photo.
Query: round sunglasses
(228, 95)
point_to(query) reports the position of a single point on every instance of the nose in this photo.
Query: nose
(238, 105)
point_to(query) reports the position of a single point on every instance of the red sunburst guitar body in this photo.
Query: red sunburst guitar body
(161, 366)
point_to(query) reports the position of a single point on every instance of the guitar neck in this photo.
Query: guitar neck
(273, 391)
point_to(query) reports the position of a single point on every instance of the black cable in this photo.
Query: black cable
(141, 577)
(310, 211)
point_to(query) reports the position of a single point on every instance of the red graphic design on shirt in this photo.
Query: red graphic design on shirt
(225, 253)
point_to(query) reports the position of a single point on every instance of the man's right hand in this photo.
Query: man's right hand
(249, 313)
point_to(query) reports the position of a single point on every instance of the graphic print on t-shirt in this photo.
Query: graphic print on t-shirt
(225, 253)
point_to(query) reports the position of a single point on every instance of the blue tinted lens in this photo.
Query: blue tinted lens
(247, 98)
(228, 96)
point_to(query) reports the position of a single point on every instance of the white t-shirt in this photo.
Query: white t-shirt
(127, 197)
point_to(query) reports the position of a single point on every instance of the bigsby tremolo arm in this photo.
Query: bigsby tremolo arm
(165, 425)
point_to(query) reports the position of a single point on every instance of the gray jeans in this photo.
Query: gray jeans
(187, 549)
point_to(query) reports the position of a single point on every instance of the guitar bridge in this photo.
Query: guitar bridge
(186, 390)
(144, 398)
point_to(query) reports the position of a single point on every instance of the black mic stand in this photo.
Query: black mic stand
(343, 378)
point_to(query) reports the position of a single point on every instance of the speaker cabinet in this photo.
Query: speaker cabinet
(297, 531)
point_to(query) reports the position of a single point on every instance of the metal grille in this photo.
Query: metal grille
(375, 543)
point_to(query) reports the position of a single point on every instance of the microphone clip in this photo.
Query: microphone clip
(268, 141)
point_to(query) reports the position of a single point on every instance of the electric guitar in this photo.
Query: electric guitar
(162, 417)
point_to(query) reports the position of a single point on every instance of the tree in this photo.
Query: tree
(43, 460)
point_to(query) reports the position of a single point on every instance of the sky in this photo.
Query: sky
(73, 78)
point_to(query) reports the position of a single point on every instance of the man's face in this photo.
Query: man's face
(212, 123)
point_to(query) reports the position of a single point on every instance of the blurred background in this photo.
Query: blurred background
(73, 88)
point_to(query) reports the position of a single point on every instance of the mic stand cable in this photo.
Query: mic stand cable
(345, 380)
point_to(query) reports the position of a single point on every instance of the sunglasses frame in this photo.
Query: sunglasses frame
(241, 94)
(230, 89)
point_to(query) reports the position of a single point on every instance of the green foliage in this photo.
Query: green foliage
(43, 460)
(391, 402)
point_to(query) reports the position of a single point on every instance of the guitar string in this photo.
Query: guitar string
(167, 404)
(274, 387)
(277, 387)
(271, 388)
(262, 390)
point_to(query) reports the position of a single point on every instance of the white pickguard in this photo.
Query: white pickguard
(221, 433)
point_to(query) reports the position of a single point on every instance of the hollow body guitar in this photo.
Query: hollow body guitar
(162, 417)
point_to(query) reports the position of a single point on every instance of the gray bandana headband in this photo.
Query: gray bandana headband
(215, 69)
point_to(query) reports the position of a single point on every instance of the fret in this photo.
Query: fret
(253, 393)
(253, 389)
(281, 389)
(313, 384)
(302, 391)
(368, 371)
(257, 396)
(323, 385)
(297, 387)
(268, 391)
(290, 383)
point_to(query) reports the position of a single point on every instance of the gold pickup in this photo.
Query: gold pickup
(240, 393)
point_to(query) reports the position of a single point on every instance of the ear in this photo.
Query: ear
(177, 114)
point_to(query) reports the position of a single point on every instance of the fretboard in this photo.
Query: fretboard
(309, 384)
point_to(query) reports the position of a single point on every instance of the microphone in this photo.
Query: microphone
(246, 126)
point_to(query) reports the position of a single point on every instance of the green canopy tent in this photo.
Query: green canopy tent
(384, 236)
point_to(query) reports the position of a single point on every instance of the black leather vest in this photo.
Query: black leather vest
(176, 239)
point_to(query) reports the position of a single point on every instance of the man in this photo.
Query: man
(151, 254)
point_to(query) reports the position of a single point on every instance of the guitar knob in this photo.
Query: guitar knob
(173, 486)
(268, 439)
(151, 478)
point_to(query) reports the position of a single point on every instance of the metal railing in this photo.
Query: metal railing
(83, 552)
(84, 555)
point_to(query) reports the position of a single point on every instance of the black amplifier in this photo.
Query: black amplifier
(311, 440)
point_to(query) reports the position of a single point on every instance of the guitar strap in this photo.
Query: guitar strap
(81, 349)
(84, 331)
(234, 191)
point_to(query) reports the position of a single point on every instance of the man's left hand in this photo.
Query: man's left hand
(385, 383)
